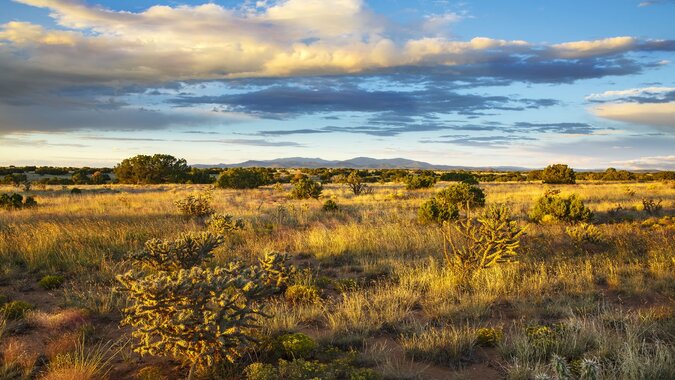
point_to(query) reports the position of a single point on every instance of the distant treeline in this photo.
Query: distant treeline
(163, 168)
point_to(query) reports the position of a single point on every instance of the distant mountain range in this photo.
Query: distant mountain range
(354, 163)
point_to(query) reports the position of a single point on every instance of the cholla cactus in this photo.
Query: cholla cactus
(590, 370)
(201, 316)
(197, 205)
(561, 368)
(584, 232)
(276, 271)
(189, 250)
(222, 224)
(487, 240)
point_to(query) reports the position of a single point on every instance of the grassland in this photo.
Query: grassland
(386, 300)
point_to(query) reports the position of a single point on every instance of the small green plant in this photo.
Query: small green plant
(296, 345)
(302, 294)
(554, 207)
(189, 250)
(330, 206)
(221, 224)
(16, 201)
(305, 188)
(590, 370)
(488, 337)
(50, 282)
(584, 232)
(261, 371)
(15, 309)
(195, 205)
(561, 367)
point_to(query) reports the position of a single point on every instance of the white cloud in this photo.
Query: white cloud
(653, 114)
(281, 38)
(654, 162)
(630, 92)
(580, 49)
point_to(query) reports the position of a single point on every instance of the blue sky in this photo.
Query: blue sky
(479, 83)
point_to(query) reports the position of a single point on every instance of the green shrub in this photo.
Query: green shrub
(558, 174)
(305, 188)
(16, 201)
(302, 294)
(488, 337)
(50, 282)
(15, 309)
(75, 191)
(222, 224)
(243, 178)
(556, 207)
(296, 345)
(198, 205)
(462, 195)
(434, 211)
(330, 206)
(414, 182)
(189, 250)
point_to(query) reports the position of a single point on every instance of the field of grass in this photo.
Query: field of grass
(386, 305)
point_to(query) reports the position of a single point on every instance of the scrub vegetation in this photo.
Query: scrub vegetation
(335, 274)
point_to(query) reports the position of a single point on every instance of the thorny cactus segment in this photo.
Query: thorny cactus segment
(276, 272)
(189, 250)
(201, 316)
(223, 224)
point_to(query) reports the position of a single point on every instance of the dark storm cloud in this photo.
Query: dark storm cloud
(290, 101)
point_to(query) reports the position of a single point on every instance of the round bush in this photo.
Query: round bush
(50, 282)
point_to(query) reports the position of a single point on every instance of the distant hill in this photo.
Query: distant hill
(354, 163)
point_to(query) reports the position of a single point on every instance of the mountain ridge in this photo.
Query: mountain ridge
(353, 163)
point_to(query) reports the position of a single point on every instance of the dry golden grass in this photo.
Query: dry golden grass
(403, 290)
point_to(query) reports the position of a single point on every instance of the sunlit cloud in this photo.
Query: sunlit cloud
(652, 114)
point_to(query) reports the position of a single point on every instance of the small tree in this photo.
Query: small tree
(305, 188)
(355, 183)
(558, 174)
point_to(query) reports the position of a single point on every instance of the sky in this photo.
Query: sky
(477, 83)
